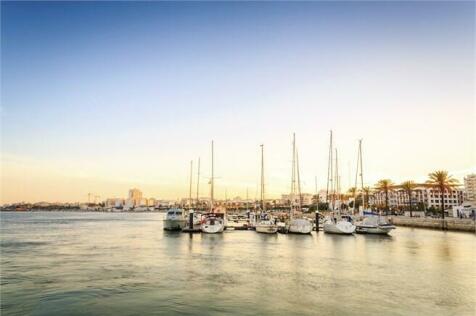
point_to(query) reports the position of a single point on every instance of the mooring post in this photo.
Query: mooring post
(317, 220)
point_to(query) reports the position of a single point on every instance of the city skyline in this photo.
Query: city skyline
(101, 98)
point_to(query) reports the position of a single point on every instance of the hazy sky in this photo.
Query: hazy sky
(102, 97)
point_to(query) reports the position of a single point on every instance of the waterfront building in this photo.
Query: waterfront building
(429, 196)
(151, 202)
(470, 187)
(135, 195)
(306, 199)
(114, 203)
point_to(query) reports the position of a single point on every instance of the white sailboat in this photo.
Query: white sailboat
(371, 224)
(297, 225)
(213, 223)
(266, 224)
(195, 226)
(335, 224)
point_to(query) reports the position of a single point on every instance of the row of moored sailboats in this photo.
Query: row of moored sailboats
(215, 221)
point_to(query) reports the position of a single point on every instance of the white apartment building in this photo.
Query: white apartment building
(421, 194)
(470, 187)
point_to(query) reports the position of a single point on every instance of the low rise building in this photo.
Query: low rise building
(470, 187)
(429, 196)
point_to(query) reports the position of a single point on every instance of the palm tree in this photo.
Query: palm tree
(444, 182)
(352, 191)
(385, 185)
(408, 187)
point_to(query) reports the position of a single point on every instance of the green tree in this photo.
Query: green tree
(443, 182)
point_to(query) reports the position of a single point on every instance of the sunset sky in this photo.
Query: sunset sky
(103, 97)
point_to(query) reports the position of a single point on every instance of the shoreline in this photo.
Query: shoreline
(448, 224)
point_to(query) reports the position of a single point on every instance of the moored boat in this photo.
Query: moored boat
(174, 219)
(300, 226)
(266, 224)
(374, 225)
(213, 223)
(338, 226)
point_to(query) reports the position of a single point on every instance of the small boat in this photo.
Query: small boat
(213, 223)
(267, 227)
(174, 219)
(266, 224)
(297, 224)
(374, 225)
(334, 225)
(237, 222)
(300, 226)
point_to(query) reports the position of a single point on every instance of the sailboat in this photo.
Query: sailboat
(297, 225)
(266, 224)
(371, 224)
(335, 224)
(213, 223)
(195, 225)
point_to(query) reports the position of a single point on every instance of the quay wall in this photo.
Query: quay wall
(453, 224)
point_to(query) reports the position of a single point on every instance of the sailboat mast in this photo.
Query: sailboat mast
(293, 175)
(263, 203)
(298, 181)
(329, 172)
(212, 180)
(336, 182)
(190, 188)
(198, 181)
(361, 173)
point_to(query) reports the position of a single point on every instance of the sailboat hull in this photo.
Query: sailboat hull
(266, 229)
(375, 230)
(213, 224)
(300, 226)
(341, 228)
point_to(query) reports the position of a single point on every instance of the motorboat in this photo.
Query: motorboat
(213, 223)
(374, 225)
(174, 219)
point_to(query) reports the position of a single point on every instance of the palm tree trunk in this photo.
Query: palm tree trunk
(386, 202)
(410, 202)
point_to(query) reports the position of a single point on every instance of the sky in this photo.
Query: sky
(100, 97)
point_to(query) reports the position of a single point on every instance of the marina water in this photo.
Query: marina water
(65, 263)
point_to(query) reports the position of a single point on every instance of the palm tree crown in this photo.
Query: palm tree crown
(408, 187)
(385, 185)
(444, 182)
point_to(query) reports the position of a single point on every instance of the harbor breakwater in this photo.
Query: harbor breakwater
(453, 224)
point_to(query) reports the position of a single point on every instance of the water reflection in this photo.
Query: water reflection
(60, 263)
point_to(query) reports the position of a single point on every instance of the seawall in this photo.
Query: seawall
(453, 224)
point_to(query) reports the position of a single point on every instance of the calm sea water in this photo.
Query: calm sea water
(58, 263)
